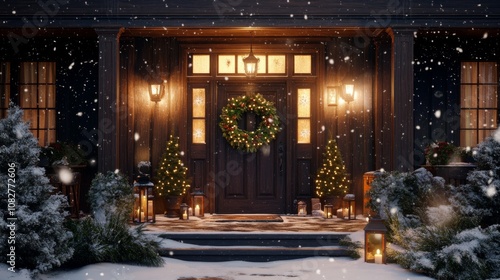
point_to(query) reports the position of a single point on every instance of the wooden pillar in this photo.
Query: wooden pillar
(382, 102)
(108, 98)
(402, 99)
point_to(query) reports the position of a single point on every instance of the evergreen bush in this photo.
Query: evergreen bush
(41, 240)
(107, 237)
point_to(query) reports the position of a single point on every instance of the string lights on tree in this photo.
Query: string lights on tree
(171, 174)
(332, 178)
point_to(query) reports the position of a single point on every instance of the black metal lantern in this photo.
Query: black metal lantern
(328, 211)
(251, 64)
(375, 247)
(156, 90)
(198, 203)
(184, 213)
(143, 200)
(349, 207)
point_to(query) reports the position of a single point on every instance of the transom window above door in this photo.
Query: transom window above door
(226, 64)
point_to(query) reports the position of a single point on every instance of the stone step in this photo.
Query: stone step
(253, 247)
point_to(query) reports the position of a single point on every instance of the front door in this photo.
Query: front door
(251, 182)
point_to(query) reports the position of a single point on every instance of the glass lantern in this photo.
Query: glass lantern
(302, 208)
(198, 203)
(143, 200)
(375, 248)
(349, 207)
(184, 213)
(328, 211)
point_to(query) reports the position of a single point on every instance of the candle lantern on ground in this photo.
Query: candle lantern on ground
(198, 203)
(302, 208)
(349, 207)
(184, 213)
(328, 211)
(375, 247)
(143, 200)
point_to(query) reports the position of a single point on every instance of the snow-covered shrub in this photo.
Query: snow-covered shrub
(481, 195)
(401, 197)
(110, 194)
(107, 237)
(444, 231)
(39, 238)
(116, 241)
(445, 250)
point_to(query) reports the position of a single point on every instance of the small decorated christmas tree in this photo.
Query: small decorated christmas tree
(332, 179)
(171, 174)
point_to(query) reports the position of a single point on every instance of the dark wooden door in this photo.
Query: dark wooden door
(251, 182)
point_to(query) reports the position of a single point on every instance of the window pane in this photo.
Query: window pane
(468, 138)
(4, 88)
(487, 96)
(46, 72)
(198, 103)
(199, 131)
(28, 73)
(227, 64)
(468, 119)
(31, 117)
(304, 103)
(469, 72)
(276, 64)
(487, 119)
(469, 96)
(51, 137)
(303, 131)
(302, 64)
(201, 64)
(487, 72)
(28, 96)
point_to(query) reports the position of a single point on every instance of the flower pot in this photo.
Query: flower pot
(173, 205)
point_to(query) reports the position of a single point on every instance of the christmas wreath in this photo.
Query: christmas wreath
(249, 141)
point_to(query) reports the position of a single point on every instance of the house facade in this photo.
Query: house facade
(421, 72)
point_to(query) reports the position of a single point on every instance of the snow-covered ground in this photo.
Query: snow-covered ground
(302, 269)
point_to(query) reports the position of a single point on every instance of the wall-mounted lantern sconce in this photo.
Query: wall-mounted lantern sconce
(251, 63)
(348, 92)
(331, 95)
(157, 90)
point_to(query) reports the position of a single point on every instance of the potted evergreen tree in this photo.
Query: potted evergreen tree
(171, 181)
(332, 180)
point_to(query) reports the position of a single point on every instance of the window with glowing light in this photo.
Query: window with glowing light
(302, 64)
(201, 64)
(478, 101)
(304, 115)
(4, 88)
(37, 92)
(198, 132)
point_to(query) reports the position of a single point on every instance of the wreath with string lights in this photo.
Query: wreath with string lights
(249, 141)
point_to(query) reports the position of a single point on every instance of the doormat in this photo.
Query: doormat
(249, 218)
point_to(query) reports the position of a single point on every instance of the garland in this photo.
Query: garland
(249, 141)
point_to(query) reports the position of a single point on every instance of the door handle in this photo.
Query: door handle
(281, 156)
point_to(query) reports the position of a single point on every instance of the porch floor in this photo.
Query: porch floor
(291, 223)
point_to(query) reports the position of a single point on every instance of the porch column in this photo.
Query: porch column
(382, 102)
(402, 99)
(108, 99)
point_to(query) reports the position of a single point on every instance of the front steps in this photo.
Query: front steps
(255, 247)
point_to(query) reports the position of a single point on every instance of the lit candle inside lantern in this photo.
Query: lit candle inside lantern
(301, 212)
(378, 257)
(345, 213)
(197, 210)
(184, 216)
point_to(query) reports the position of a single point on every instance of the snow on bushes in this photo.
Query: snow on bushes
(107, 237)
(444, 231)
(41, 240)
